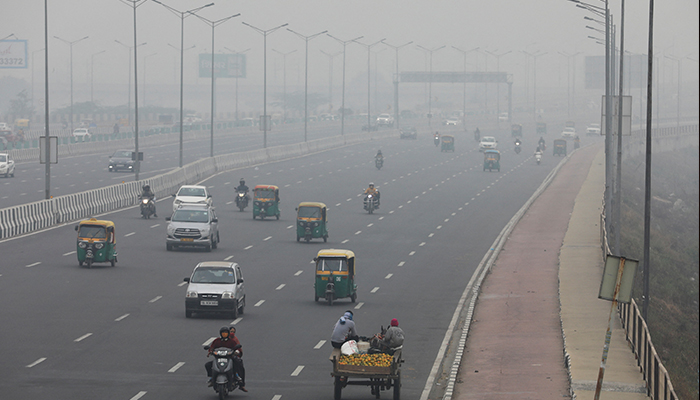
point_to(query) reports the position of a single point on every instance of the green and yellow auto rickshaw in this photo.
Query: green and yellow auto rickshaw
(335, 275)
(541, 128)
(266, 199)
(96, 242)
(448, 143)
(492, 160)
(516, 130)
(559, 148)
(312, 220)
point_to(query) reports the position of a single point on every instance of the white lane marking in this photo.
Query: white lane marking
(454, 213)
(439, 227)
(139, 395)
(391, 212)
(348, 200)
(182, 284)
(229, 202)
(237, 320)
(42, 359)
(344, 241)
(411, 253)
(156, 225)
(258, 304)
(359, 305)
(298, 273)
(374, 290)
(401, 264)
(416, 197)
(319, 344)
(421, 244)
(447, 219)
(358, 232)
(381, 218)
(471, 199)
(228, 258)
(85, 336)
(388, 276)
(409, 202)
(460, 209)
(33, 265)
(297, 370)
(153, 300)
(69, 253)
(277, 397)
(431, 235)
(287, 185)
(337, 204)
(129, 234)
(267, 238)
(370, 225)
(280, 287)
(208, 342)
(290, 227)
(401, 206)
(249, 247)
(122, 317)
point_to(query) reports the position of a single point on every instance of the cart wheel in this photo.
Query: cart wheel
(397, 387)
(337, 389)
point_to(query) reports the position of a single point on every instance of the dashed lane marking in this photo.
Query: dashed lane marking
(176, 367)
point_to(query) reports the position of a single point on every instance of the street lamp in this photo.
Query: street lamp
(534, 80)
(342, 115)
(396, 81)
(92, 74)
(498, 86)
(430, 80)
(265, 33)
(144, 77)
(33, 74)
(568, 81)
(129, 86)
(284, 85)
(330, 77)
(182, 15)
(237, 52)
(8, 36)
(213, 24)
(306, 76)
(369, 47)
(464, 85)
(70, 44)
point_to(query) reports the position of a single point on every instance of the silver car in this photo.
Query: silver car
(215, 286)
(7, 165)
(193, 226)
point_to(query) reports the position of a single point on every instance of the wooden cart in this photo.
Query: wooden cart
(377, 378)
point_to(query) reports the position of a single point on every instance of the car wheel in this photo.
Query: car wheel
(241, 309)
(215, 243)
(234, 313)
(208, 248)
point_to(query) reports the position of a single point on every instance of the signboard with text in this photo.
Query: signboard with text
(225, 66)
(13, 54)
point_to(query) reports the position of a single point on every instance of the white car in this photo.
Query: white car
(385, 120)
(593, 129)
(488, 143)
(7, 165)
(4, 126)
(568, 133)
(502, 117)
(452, 121)
(82, 133)
(215, 287)
(192, 194)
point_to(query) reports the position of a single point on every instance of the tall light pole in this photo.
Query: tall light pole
(33, 52)
(678, 107)
(396, 81)
(464, 84)
(369, 53)
(213, 25)
(144, 76)
(70, 44)
(92, 74)
(129, 85)
(47, 148)
(182, 15)
(568, 80)
(330, 76)
(306, 76)
(430, 80)
(498, 86)
(376, 53)
(534, 81)
(342, 115)
(265, 33)
(284, 85)
(237, 52)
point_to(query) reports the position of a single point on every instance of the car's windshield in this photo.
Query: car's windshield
(264, 194)
(213, 275)
(488, 139)
(3, 158)
(92, 232)
(194, 192)
(309, 212)
(122, 154)
(190, 216)
(332, 264)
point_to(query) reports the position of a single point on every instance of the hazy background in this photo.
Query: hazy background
(542, 26)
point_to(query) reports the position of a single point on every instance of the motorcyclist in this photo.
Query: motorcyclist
(517, 142)
(577, 141)
(148, 194)
(242, 187)
(379, 155)
(477, 134)
(373, 191)
(224, 340)
(541, 143)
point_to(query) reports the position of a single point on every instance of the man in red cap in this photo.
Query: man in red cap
(393, 337)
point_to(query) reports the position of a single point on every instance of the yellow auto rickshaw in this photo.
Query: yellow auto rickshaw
(96, 242)
(266, 199)
(335, 275)
(448, 143)
(312, 220)
(559, 147)
(492, 160)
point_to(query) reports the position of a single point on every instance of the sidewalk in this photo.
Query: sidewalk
(540, 303)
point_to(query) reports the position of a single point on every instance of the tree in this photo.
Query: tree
(22, 105)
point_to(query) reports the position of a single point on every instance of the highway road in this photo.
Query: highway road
(121, 333)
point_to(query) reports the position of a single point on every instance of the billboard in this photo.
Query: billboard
(13, 54)
(225, 66)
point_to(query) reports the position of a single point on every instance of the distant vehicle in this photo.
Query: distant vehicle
(408, 133)
(568, 133)
(488, 143)
(570, 124)
(192, 194)
(4, 126)
(82, 133)
(193, 225)
(593, 129)
(121, 160)
(7, 165)
(503, 117)
(385, 120)
(452, 121)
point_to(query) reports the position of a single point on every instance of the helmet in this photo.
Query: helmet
(147, 187)
(224, 329)
(379, 151)
(242, 182)
(371, 184)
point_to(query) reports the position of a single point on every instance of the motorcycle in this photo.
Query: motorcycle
(148, 206)
(222, 370)
(242, 200)
(477, 137)
(517, 149)
(538, 157)
(379, 163)
(436, 140)
(370, 203)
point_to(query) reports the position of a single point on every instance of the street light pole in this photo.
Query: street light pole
(70, 44)
(92, 74)
(396, 81)
(144, 77)
(33, 74)
(129, 85)
(568, 81)
(430, 81)
(182, 15)
(330, 76)
(213, 24)
(498, 86)
(678, 109)
(534, 83)
(284, 86)
(306, 77)
(342, 115)
(265, 33)
(464, 84)
(237, 52)
(369, 53)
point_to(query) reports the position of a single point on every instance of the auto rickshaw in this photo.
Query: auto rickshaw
(335, 275)
(96, 242)
(448, 143)
(492, 160)
(559, 147)
(516, 130)
(266, 199)
(312, 220)
(541, 128)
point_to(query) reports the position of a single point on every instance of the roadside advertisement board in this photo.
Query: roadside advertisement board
(225, 66)
(13, 54)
